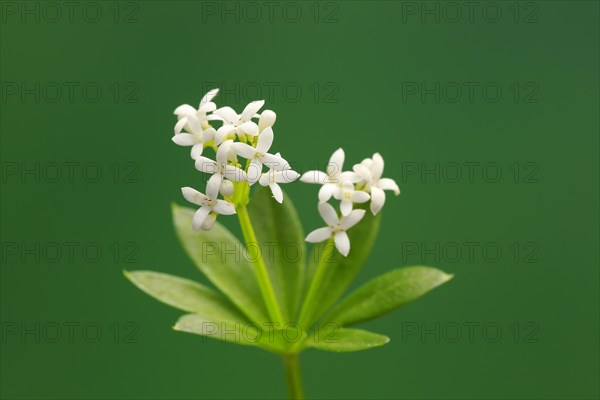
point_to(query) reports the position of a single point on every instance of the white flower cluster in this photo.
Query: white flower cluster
(360, 185)
(238, 135)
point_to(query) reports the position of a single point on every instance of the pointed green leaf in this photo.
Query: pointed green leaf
(281, 239)
(185, 295)
(348, 339)
(222, 258)
(387, 292)
(238, 332)
(340, 270)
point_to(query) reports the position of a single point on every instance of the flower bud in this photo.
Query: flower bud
(266, 120)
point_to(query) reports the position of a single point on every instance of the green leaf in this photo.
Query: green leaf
(387, 292)
(222, 258)
(347, 339)
(341, 271)
(238, 332)
(281, 239)
(185, 295)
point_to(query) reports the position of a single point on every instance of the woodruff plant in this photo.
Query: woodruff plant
(269, 297)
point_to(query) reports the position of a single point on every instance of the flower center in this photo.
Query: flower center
(347, 195)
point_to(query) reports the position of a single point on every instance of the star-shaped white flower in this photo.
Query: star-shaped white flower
(272, 178)
(370, 171)
(186, 113)
(222, 173)
(259, 155)
(241, 124)
(336, 228)
(210, 206)
(196, 138)
(348, 196)
(333, 180)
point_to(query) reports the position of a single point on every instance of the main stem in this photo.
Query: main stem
(291, 363)
(260, 268)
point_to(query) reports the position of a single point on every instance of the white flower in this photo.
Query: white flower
(348, 195)
(186, 113)
(333, 180)
(370, 171)
(196, 138)
(266, 120)
(241, 124)
(273, 177)
(259, 155)
(222, 173)
(210, 206)
(336, 228)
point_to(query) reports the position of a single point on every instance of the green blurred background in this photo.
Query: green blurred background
(88, 91)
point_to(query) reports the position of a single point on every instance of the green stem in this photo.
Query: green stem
(313, 290)
(291, 363)
(259, 267)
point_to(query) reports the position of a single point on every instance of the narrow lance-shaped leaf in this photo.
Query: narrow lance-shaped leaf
(339, 270)
(346, 340)
(386, 293)
(238, 332)
(185, 295)
(281, 239)
(222, 258)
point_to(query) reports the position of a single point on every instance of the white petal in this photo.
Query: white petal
(228, 114)
(328, 190)
(342, 243)
(254, 171)
(275, 162)
(223, 152)
(265, 141)
(266, 120)
(213, 185)
(179, 125)
(199, 217)
(314, 177)
(336, 162)
(377, 199)
(208, 97)
(346, 207)
(224, 207)
(234, 174)
(277, 192)
(184, 109)
(193, 196)
(360, 197)
(222, 133)
(249, 128)
(208, 134)
(197, 150)
(184, 139)
(328, 214)
(206, 165)
(251, 109)
(319, 235)
(194, 124)
(349, 176)
(285, 176)
(207, 107)
(352, 219)
(226, 188)
(377, 167)
(209, 222)
(265, 179)
(389, 184)
(362, 171)
(243, 150)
